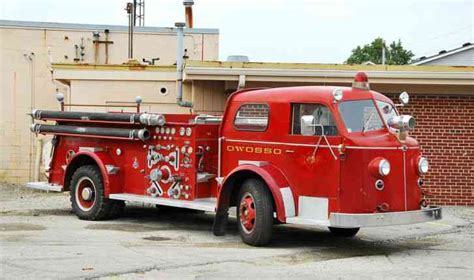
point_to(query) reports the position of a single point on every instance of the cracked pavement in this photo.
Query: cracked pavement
(40, 238)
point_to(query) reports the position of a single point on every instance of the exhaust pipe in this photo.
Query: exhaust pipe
(179, 65)
(188, 10)
(97, 132)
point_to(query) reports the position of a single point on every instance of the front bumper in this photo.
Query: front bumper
(345, 220)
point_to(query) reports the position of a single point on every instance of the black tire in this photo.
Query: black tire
(98, 207)
(260, 233)
(117, 209)
(343, 232)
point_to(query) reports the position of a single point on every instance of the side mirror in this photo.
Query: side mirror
(307, 125)
(404, 98)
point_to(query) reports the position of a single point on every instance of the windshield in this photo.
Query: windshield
(387, 109)
(360, 115)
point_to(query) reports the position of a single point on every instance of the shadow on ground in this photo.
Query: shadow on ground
(316, 244)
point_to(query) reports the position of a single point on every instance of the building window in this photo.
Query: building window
(252, 117)
(323, 119)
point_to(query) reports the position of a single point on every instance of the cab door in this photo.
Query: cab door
(313, 162)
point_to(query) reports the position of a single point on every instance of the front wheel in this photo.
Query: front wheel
(87, 195)
(343, 232)
(255, 213)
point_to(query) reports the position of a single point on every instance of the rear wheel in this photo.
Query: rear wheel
(343, 232)
(87, 195)
(255, 213)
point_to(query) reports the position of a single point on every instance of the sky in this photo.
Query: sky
(317, 31)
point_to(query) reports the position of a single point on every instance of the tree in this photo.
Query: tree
(394, 53)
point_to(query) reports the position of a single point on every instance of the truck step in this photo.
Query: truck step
(45, 186)
(204, 204)
(307, 222)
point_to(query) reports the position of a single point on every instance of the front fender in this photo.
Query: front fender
(274, 179)
(111, 178)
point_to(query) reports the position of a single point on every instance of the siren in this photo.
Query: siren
(361, 81)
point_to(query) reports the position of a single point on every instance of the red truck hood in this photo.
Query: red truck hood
(357, 190)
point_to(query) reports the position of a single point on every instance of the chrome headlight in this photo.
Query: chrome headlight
(422, 165)
(384, 167)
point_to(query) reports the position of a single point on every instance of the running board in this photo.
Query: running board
(307, 222)
(204, 204)
(45, 186)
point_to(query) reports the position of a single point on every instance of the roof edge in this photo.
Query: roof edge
(113, 67)
(322, 66)
(95, 27)
(442, 55)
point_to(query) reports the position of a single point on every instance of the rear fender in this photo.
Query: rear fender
(111, 175)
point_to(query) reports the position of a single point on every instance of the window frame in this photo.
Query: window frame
(382, 120)
(394, 108)
(292, 111)
(250, 129)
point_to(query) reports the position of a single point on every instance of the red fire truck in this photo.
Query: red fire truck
(338, 157)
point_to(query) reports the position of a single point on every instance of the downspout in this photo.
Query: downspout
(180, 65)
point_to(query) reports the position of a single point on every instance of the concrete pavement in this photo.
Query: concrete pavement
(41, 238)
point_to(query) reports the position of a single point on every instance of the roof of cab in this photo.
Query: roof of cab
(323, 94)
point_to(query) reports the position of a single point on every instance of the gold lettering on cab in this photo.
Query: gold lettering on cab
(253, 150)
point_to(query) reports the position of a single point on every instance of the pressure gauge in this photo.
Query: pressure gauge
(162, 130)
(182, 131)
(168, 130)
(188, 131)
(190, 150)
(173, 130)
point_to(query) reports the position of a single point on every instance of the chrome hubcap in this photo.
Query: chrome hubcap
(87, 194)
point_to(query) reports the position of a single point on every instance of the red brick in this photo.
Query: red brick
(445, 131)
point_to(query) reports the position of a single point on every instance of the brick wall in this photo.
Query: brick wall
(253, 111)
(445, 130)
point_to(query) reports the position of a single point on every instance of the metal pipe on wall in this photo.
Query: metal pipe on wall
(131, 19)
(106, 31)
(37, 168)
(180, 65)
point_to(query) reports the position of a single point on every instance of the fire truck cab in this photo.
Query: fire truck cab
(338, 157)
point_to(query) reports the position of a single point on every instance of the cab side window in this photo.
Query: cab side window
(323, 119)
(252, 117)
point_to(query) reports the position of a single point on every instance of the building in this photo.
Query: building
(462, 56)
(28, 49)
(442, 101)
